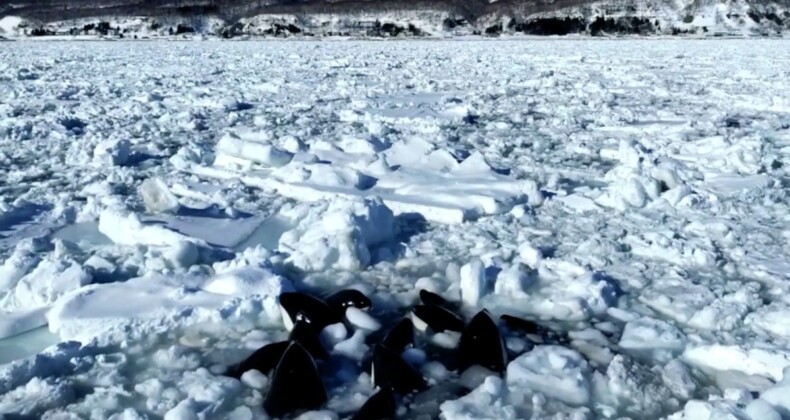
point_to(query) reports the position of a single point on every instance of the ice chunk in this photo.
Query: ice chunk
(361, 319)
(716, 409)
(473, 282)
(15, 267)
(98, 309)
(334, 333)
(658, 338)
(513, 281)
(50, 280)
(487, 401)
(354, 347)
(19, 321)
(571, 292)
(157, 196)
(37, 396)
(182, 254)
(338, 234)
(530, 255)
(100, 264)
(330, 176)
(678, 379)
(185, 410)
(636, 388)
(446, 339)
(762, 410)
(251, 149)
(772, 318)
(768, 362)
(254, 379)
(415, 356)
(555, 371)
(246, 281)
(779, 395)
(112, 152)
(129, 230)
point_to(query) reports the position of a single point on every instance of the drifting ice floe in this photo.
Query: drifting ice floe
(425, 181)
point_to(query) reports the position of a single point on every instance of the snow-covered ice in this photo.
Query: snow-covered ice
(628, 196)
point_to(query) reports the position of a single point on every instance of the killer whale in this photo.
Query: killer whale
(348, 298)
(312, 309)
(481, 344)
(264, 360)
(296, 384)
(389, 370)
(380, 406)
(401, 336)
(437, 318)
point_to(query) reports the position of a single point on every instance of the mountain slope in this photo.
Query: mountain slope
(395, 17)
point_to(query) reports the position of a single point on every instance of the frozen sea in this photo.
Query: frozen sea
(631, 195)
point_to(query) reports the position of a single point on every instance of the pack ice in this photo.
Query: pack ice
(186, 226)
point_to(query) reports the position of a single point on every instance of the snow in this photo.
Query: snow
(129, 230)
(628, 196)
(90, 311)
(8, 24)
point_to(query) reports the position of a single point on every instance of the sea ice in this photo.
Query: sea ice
(556, 372)
(632, 201)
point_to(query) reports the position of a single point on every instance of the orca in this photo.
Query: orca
(295, 385)
(264, 360)
(481, 344)
(401, 336)
(389, 370)
(439, 319)
(313, 310)
(309, 337)
(380, 406)
(348, 298)
(430, 298)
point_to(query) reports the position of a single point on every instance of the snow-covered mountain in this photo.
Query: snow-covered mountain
(148, 18)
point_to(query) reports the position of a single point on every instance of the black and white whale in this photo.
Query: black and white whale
(295, 385)
(348, 298)
(380, 406)
(266, 358)
(437, 318)
(320, 312)
(430, 298)
(401, 336)
(310, 308)
(389, 370)
(482, 344)
(309, 337)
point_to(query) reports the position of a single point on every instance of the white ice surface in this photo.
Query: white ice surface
(630, 193)
(97, 309)
(552, 370)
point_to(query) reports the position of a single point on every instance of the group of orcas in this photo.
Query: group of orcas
(296, 384)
